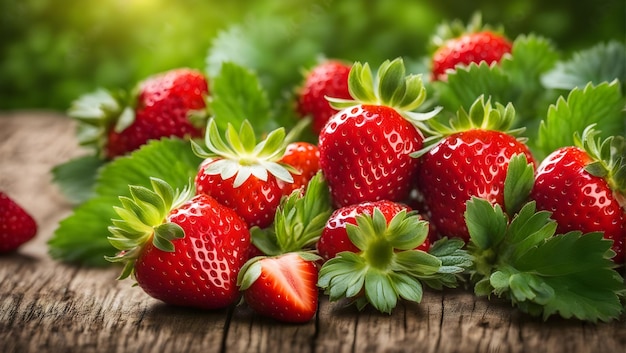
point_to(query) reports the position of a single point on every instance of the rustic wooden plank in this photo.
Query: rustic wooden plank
(48, 306)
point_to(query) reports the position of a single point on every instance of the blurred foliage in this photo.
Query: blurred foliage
(53, 51)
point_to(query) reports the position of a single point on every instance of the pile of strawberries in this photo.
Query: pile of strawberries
(372, 212)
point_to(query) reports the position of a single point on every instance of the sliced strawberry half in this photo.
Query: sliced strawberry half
(283, 287)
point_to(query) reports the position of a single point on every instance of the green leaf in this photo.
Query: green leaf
(237, 95)
(465, 84)
(519, 181)
(603, 62)
(486, 223)
(529, 229)
(531, 56)
(76, 178)
(602, 104)
(544, 274)
(82, 236)
(565, 254)
(589, 295)
(454, 259)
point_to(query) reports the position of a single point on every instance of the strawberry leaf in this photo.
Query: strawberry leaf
(603, 62)
(541, 273)
(531, 56)
(602, 104)
(237, 95)
(465, 84)
(520, 178)
(82, 236)
(76, 177)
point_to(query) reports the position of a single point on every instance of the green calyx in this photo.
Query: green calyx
(99, 112)
(240, 155)
(391, 87)
(388, 267)
(481, 115)
(143, 219)
(609, 158)
(299, 221)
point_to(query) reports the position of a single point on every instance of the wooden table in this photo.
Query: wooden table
(50, 306)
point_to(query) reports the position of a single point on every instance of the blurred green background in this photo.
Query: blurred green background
(53, 51)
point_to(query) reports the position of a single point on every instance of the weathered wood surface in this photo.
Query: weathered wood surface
(46, 305)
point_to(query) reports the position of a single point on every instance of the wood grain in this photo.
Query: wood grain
(48, 306)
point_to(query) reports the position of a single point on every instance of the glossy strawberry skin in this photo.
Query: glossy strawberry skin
(462, 165)
(578, 200)
(286, 290)
(162, 109)
(364, 154)
(305, 157)
(328, 79)
(469, 48)
(255, 200)
(16, 225)
(202, 270)
(334, 238)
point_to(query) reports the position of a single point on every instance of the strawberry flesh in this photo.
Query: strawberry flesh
(286, 290)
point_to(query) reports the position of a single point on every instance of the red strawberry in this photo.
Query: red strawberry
(329, 78)
(470, 159)
(163, 105)
(456, 45)
(584, 186)
(305, 158)
(242, 174)
(365, 148)
(282, 287)
(189, 256)
(16, 225)
(334, 238)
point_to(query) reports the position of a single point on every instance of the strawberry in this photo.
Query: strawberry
(242, 174)
(469, 159)
(305, 158)
(334, 238)
(282, 287)
(365, 148)
(584, 186)
(329, 78)
(164, 105)
(457, 45)
(16, 225)
(389, 263)
(181, 249)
